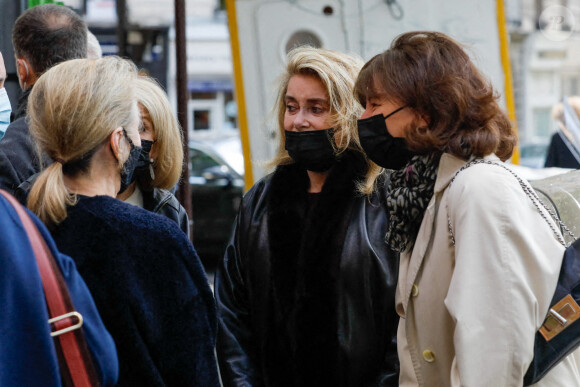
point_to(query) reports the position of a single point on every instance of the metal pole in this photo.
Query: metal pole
(121, 6)
(184, 192)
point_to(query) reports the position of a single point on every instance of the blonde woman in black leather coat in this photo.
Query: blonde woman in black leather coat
(306, 290)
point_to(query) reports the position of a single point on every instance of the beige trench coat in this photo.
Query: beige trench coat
(469, 312)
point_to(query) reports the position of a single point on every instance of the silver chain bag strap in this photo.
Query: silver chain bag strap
(529, 191)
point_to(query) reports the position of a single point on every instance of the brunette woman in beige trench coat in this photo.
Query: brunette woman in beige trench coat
(478, 264)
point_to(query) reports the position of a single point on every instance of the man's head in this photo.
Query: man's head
(44, 36)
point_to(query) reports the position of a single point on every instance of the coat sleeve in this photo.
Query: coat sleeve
(9, 179)
(236, 344)
(184, 221)
(507, 262)
(389, 374)
(386, 275)
(18, 156)
(24, 329)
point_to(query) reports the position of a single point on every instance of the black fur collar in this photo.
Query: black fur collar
(306, 234)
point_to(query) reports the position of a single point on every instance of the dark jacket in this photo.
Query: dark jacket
(559, 155)
(27, 352)
(150, 288)
(306, 290)
(19, 158)
(163, 202)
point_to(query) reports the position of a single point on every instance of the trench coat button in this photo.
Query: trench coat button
(415, 290)
(429, 356)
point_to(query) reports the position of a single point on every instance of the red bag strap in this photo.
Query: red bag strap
(69, 339)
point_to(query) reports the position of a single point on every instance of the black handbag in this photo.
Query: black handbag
(559, 335)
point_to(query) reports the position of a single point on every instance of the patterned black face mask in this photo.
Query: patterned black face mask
(129, 164)
(144, 159)
(145, 163)
(311, 149)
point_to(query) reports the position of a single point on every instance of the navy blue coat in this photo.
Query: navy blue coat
(27, 352)
(150, 288)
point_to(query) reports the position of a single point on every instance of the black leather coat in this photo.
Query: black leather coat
(359, 335)
(163, 202)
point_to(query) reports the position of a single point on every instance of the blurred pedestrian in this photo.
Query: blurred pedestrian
(143, 272)
(479, 264)
(5, 108)
(42, 36)
(563, 152)
(161, 160)
(306, 288)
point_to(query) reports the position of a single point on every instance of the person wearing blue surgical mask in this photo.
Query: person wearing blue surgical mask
(306, 288)
(5, 108)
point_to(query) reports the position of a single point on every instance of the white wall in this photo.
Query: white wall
(364, 27)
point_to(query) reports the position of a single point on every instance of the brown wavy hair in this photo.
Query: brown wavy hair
(432, 74)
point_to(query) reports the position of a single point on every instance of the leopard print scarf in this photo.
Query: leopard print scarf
(408, 195)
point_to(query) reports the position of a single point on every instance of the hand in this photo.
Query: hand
(2, 71)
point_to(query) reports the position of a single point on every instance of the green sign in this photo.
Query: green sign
(33, 3)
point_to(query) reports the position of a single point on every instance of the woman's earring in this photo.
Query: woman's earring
(151, 171)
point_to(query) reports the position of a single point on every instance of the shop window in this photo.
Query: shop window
(542, 123)
(201, 119)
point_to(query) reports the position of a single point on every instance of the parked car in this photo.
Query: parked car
(217, 185)
(533, 154)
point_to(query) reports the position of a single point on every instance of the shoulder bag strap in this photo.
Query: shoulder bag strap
(77, 368)
(529, 191)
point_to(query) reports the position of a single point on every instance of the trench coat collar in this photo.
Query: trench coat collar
(411, 261)
(448, 167)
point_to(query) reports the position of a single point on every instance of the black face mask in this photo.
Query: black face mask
(382, 148)
(311, 149)
(129, 165)
(144, 159)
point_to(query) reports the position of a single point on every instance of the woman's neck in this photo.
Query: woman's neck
(317, 180)
(84, 185)
(102, 177)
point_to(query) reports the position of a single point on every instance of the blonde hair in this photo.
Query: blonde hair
(337, 71)
(168, 137)
(73, 108)
(558, 110)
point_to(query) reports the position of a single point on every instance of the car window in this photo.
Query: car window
(200, 161)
